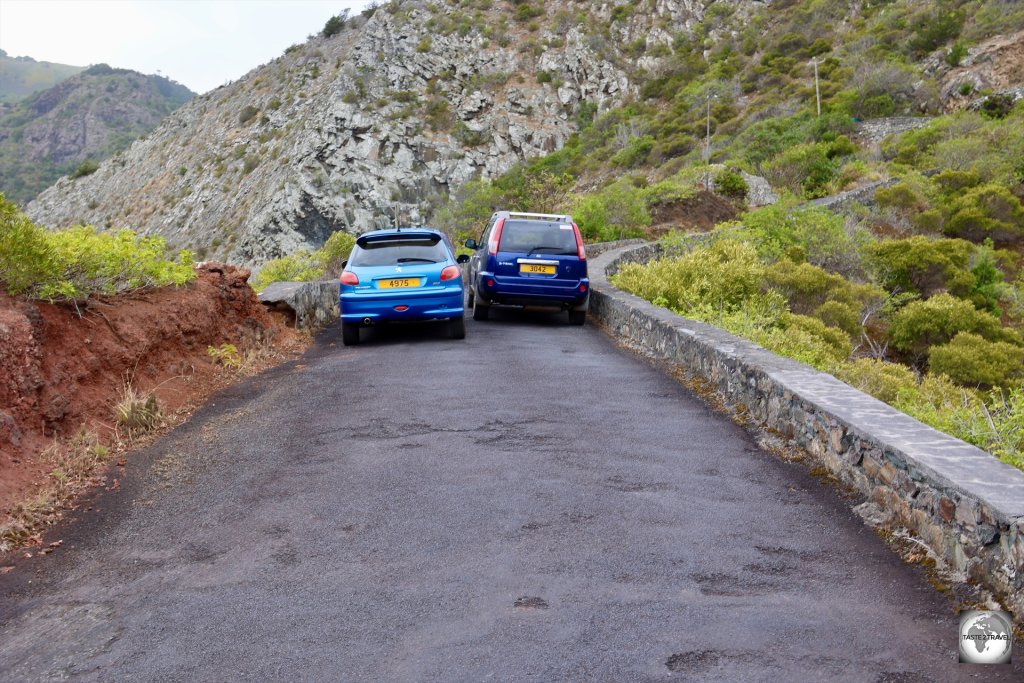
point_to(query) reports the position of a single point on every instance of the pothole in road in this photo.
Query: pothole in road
(725, 585)
(530, 602)
(693, 662)
(620, 484)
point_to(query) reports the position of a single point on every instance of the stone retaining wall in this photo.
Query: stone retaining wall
(964, 503)
(306, 305)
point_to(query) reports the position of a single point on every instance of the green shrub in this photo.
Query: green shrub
(803, 169)
(635, 152)
(87, 167)
(26, 255)
(931, 30)
(298, 267)
(997, 106)
(828, 345)
(811, 290)
(334, 26)
(71, 264)
(335, 250)
(922, 265)
(716, 279)
(820, 234)
(921, 325)
(304, 266)
(731, 184)
(987, 212)
(902, 196)
(617, 211)
(247, 113)
(974, 361)
(956, 54)
(881, 379)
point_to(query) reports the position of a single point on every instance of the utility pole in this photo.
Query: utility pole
(707, 148)
(817, 87)
(707, 138)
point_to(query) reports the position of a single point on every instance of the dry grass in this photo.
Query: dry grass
(136, 413)
(75, 464)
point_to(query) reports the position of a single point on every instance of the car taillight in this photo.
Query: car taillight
(580, 251)
(492, 244)
(349, 278)
(451, 273)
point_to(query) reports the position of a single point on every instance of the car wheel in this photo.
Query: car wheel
(457, 326)
(349, 334)
(480, 311)
(577, 317)
(470, 298)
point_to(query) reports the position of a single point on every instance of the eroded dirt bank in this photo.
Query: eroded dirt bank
(64, 369)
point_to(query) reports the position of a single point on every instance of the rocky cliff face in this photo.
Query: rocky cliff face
(381, 119)
(90, 115)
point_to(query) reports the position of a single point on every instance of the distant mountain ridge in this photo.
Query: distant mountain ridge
(83, 119)
(23, 76)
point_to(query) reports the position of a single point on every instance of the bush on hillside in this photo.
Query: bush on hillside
(922, 265)
(87, 167)
(731, 184)
(988, 212)
(305, 266)
(820, 235)
(71, 264)
(972, 360)
(921, 325)
(616, 212)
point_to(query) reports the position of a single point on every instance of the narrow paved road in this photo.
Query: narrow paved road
(529, 504)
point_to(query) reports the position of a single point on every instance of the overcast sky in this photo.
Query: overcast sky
(199, 43)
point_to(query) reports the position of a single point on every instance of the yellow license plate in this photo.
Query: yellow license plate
(400, 283)
(536, 268)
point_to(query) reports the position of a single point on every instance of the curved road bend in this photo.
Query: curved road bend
(530, 504)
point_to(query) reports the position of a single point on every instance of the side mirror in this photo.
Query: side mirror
(344, 263)
(471, 244)
(462, 258)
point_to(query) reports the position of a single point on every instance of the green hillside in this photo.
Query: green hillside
(73, 125)
(22, 76)
(917, 298)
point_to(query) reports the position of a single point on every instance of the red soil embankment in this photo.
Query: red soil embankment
(62, 369)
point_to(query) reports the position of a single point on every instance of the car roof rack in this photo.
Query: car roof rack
(559, 216)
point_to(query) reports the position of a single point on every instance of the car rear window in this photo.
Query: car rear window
(393, 251)
(538, 237)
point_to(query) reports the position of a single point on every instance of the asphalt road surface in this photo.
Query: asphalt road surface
(530, 504)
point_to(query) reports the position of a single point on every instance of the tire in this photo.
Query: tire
(480, 311)
(577, 317)
(470, 298)
(457, 327)
(349, 334)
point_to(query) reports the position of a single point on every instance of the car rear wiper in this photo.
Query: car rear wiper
(558, 250)
(414, 259)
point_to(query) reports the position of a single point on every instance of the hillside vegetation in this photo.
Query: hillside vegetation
(70, 127)
(22, 76)
(71, 264)
(917, 298)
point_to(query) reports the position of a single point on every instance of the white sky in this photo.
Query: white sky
(199, 43)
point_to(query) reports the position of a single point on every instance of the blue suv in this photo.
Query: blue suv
(398, 275)
(529, 259)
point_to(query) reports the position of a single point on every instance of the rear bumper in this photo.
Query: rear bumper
(515, 291)
(358, 307)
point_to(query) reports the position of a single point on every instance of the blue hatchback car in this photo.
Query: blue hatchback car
(529, 259)
(401, 275)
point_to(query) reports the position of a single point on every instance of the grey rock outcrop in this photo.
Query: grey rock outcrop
(304, 305)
